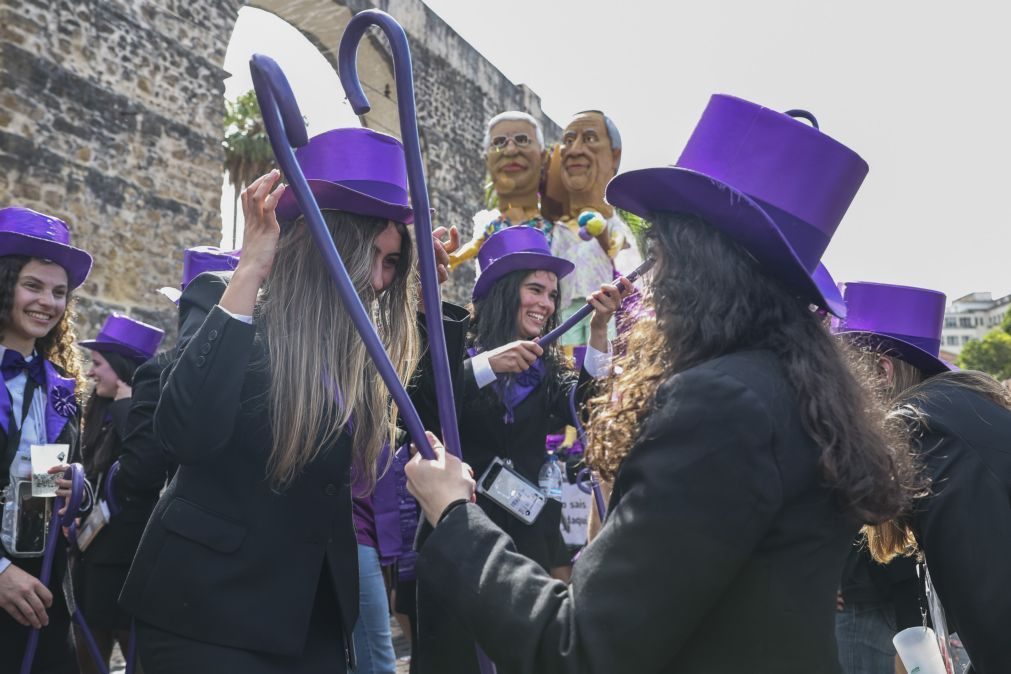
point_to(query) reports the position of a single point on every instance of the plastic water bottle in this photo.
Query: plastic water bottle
(550, 477)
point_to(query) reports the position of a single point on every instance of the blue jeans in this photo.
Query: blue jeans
(372, 636)
(864, 633)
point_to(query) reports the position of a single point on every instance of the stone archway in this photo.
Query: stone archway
(111, 114)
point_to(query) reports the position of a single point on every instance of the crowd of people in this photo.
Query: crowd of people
(781, 452)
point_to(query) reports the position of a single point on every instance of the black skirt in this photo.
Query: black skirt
(163, 652)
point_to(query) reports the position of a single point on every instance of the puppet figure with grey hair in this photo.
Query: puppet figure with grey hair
(514, 155)
(589, 233)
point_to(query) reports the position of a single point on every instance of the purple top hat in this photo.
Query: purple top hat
(908, 320)
(512, 249)
(199, 259)
(776, 185)
(26, 232)
(354, 170)
(127, 337)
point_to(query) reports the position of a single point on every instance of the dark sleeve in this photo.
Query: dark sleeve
(200, 396)
(196, 302)
(964, 529)
(703, 482)
(455, 320)
(144, 466)
(118, 410)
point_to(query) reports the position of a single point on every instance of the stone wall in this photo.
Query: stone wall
(111, 117)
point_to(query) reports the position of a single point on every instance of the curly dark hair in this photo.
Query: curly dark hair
(57, 346)
(493, 324)
(711, 298)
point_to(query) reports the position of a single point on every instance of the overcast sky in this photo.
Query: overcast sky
(920, 90)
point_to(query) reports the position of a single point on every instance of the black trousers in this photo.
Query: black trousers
(163, 652)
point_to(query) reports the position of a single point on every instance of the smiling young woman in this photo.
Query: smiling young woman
(39, 270)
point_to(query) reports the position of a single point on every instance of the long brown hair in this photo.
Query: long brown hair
(907, 392)
(322, 378)
(58, 344)
(710, 298)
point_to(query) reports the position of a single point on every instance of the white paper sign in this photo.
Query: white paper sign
(575, 514)
(45, 457)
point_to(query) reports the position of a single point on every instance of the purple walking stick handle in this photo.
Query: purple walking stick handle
(286, 130)
(347, 57)
(76, 475)
(587, 308)
(110, 489)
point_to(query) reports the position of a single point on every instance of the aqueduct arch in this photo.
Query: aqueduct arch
(111, 114)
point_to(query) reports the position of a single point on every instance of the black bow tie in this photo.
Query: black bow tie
(14, 364)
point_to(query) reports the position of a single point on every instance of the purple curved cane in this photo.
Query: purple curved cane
(587, 308)
(586, 475)
(347, 67)
(286, 130)
(75, 473)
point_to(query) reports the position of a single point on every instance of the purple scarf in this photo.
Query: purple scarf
(515, 389)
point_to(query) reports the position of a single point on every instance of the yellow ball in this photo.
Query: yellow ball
(593, 222)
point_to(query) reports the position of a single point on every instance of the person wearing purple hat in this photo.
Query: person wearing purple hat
(108, 544)
(198, 260)
(39, 270)
(514, 394)
(249, 562)
(517, 392)
(959, 423)
(744, 452)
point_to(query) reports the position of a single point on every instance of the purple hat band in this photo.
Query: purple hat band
(207, 258)
(33, 234)
(355, 170)
(513, 249)
(126, 336)
(910, 318)
(804, 179)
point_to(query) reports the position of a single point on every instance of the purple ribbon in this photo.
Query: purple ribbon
(514, 389)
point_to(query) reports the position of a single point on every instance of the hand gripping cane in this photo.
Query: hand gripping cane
(75, 473)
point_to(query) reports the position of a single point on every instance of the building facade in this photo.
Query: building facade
(970, 317)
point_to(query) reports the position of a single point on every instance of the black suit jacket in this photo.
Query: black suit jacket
(964, 525)
(721, 552)
(225, 558)
(144, 466)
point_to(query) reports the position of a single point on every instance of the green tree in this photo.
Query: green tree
(247, 149)
(992, 354)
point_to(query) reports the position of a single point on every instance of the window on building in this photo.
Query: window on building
(965, 322)
(965, 339)
(952, 340)
(951, 322)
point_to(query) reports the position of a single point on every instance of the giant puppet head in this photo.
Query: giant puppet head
(590, 153)
(514, 156)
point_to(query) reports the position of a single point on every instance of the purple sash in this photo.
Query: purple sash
(514, 389)
(60, 403)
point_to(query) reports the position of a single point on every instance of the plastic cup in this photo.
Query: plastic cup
(918, 649)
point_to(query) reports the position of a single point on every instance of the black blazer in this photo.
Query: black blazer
(964, 525)
(721, 545)
(225, 558)
(144, 467)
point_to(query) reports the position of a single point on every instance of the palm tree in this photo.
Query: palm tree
(247, 150)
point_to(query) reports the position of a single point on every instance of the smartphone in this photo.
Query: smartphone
(507, 488)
